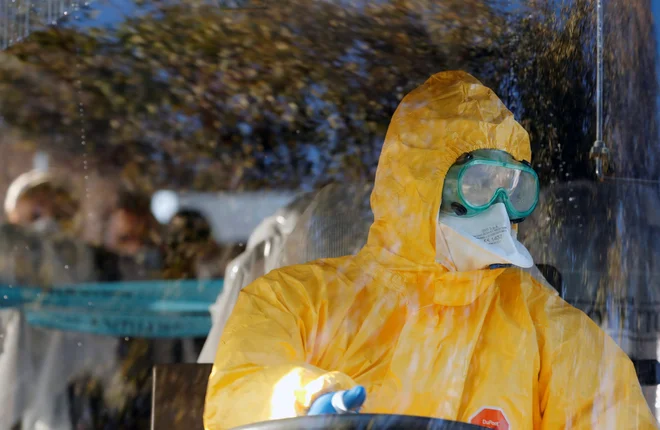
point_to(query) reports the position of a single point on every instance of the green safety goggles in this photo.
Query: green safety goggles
(484, 177)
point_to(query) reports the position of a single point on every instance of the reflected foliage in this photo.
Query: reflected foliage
(301, 92)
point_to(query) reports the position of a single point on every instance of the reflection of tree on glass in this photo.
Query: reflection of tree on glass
(301, 92)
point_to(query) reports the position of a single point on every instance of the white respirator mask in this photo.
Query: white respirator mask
(479, 241)
(45, 226)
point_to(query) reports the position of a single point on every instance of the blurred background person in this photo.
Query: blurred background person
(192, 252)
(40, 245)
(43, 202)
(130, 227)
(188, 251)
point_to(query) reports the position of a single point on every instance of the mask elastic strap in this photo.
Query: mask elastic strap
(499, 266)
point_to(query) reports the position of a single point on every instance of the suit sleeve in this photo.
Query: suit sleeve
(586, 381)
(261, 369)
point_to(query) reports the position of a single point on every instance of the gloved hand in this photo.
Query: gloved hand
(339, 402)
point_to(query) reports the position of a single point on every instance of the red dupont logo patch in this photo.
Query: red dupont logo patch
(491, 418)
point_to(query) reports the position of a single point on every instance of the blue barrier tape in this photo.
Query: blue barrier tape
(151, 309)
(115, 295)
(145, 325)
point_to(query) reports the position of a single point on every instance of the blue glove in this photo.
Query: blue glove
(339, 402)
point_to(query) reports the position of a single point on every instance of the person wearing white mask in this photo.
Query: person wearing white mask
(434, 317)
(42, 202)
(37, 365)
(486, 192)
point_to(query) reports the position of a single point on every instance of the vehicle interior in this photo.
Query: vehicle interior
(156, 157)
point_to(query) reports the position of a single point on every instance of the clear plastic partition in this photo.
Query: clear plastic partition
(604, 239)
(335, 224)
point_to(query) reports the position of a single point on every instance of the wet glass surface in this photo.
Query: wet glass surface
(158, 156)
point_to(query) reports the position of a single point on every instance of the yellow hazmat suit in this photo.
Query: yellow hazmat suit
(492, 347)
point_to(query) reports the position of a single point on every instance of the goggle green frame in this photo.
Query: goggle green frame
(453, 200)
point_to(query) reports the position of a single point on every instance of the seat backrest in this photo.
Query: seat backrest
(553, 276)
(336, 223)
(179, 391)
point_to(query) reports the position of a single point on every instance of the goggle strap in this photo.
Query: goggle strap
(464, 158)
(459, 209)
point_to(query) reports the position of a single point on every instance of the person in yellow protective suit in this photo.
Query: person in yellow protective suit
(423, 333)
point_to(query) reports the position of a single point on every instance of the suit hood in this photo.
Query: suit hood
(450, 114)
